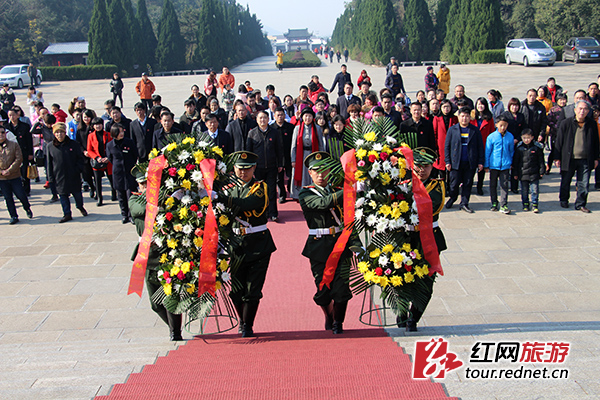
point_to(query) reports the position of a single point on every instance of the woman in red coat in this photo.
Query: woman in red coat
(96, 148)
(441, 124)
(483, 119)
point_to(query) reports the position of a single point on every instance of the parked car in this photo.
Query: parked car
(529, 52)
(16, 76)
(581, 49)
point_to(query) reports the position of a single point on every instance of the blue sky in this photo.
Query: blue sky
(318, 16)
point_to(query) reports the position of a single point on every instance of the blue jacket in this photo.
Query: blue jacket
(453, 147)
(499, 151)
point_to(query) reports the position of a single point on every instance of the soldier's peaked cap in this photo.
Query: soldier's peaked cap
(314, 158)
(244, 159)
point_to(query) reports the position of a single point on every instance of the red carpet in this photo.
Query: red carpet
(292, 357)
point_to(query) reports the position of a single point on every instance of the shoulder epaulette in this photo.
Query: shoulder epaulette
(538, 144)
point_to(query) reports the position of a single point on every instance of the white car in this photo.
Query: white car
(529, 52)
(16, 76)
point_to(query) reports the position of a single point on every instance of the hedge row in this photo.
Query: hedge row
(78, 72)
(497, 56)
(310, 60)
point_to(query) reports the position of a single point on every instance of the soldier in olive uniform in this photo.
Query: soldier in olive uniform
(424, 158)
(138, 214)
(250, 204)
(322, 207)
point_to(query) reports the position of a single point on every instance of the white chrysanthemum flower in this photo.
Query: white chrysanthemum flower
(414, 206)
(158, 241)
(360, 202)
(187, 229)
(219, 206)
(160, 274)
(184, 156)
(377, 147)
(401, 222)
(387, 166)
(394, 173)
(173, 253)
(414, 219)
(371, 220)
(222, 167)
(382, 226)
(160, 219)
(186, 242)
(373, 173)
(203, 145)
(376, 166)
(358, 214)
(359, 143)
(197, 176)
(186, 199)
(225, 276)
(170, 183)
(390, 140)
(196, 273)
(383, 260)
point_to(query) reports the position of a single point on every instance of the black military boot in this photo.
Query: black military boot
(174, 326)
(328, 311)
(339, 314)
(413, 319)
(239, 308)
(250, 310)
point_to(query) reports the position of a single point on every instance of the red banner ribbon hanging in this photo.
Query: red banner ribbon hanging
(425, 211)
(348, 160)
(208, 258)
(138, 272)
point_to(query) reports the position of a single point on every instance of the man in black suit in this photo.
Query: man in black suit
(421, 127)
(142, 129)
(167, 120)
(238, 128)
(386, 103)
(116, 117)
(348, 98)
(341, 78)
(220, 137)
(286, 131)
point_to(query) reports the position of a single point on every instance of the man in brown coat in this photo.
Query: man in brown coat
(11, 159)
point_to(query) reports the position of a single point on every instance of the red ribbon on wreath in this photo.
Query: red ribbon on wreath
(210, 242)
(138, 271)
(425, 211)
(348, 160)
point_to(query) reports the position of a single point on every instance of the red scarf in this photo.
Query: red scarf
(300, 151)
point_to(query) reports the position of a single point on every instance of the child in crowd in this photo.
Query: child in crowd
(499, 152)
(59, 114)
(228, 98)
(529, 165)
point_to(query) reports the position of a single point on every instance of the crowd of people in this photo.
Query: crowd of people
(470, 137)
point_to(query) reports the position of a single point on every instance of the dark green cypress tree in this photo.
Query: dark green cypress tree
(419, 30)
(135, 36)
(456, 23)
(207, 52)
(147, 41)
(522, 15)
(99, 35)
(485, 30)
(170, 51)
(120, 49)
(440, 23)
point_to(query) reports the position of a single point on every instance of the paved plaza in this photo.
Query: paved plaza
(68, 330)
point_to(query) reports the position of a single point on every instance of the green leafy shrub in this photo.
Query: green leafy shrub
(558, 50)
(488, 56)
(310, 60)
(79, 72)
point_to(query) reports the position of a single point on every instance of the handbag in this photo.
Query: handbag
(39, 158)
(32, 172)
(97, 164)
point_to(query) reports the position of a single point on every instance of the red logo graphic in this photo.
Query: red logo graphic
(432, 359)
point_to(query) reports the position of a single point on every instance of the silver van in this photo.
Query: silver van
(529, 52)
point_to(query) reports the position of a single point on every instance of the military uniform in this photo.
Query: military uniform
(250, 204)
(323, 211)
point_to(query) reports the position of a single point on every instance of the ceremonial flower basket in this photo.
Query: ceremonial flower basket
(387, 213)
(192, 230)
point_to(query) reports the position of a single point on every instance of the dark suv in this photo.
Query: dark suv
(581, 49)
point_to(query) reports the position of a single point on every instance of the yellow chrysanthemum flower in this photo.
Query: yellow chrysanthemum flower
(163, 258)
(385, 178)
(375, 253)
(198, 242)
(361, 153)
(223, 265)
(403, 206)
(409, 277)
(396, 213)
(396, 257)
(417, 254)
(363, 267)
(369, 276)
(374, 153)
(218, 285)
(396, 281)
(426, 269)
(178, 262)
(185, 267)
(402, 173)
(406, 247)
(172, 243)
(167, 288)
(181, 172)
(386, 149)
(385, 210)
(420, 272)
(191, 288)
(223, 220)
(402, 162)
(171, 146)
(183, 213)
(376, 279)
(370, 136)
(153, 153)
(174, 271)
(218, 150)
(169, 202)
(383, 281)
(186, 184)
(358, 175)
(388, 248)
(188, 140)
(204, 201)
(198, 156)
